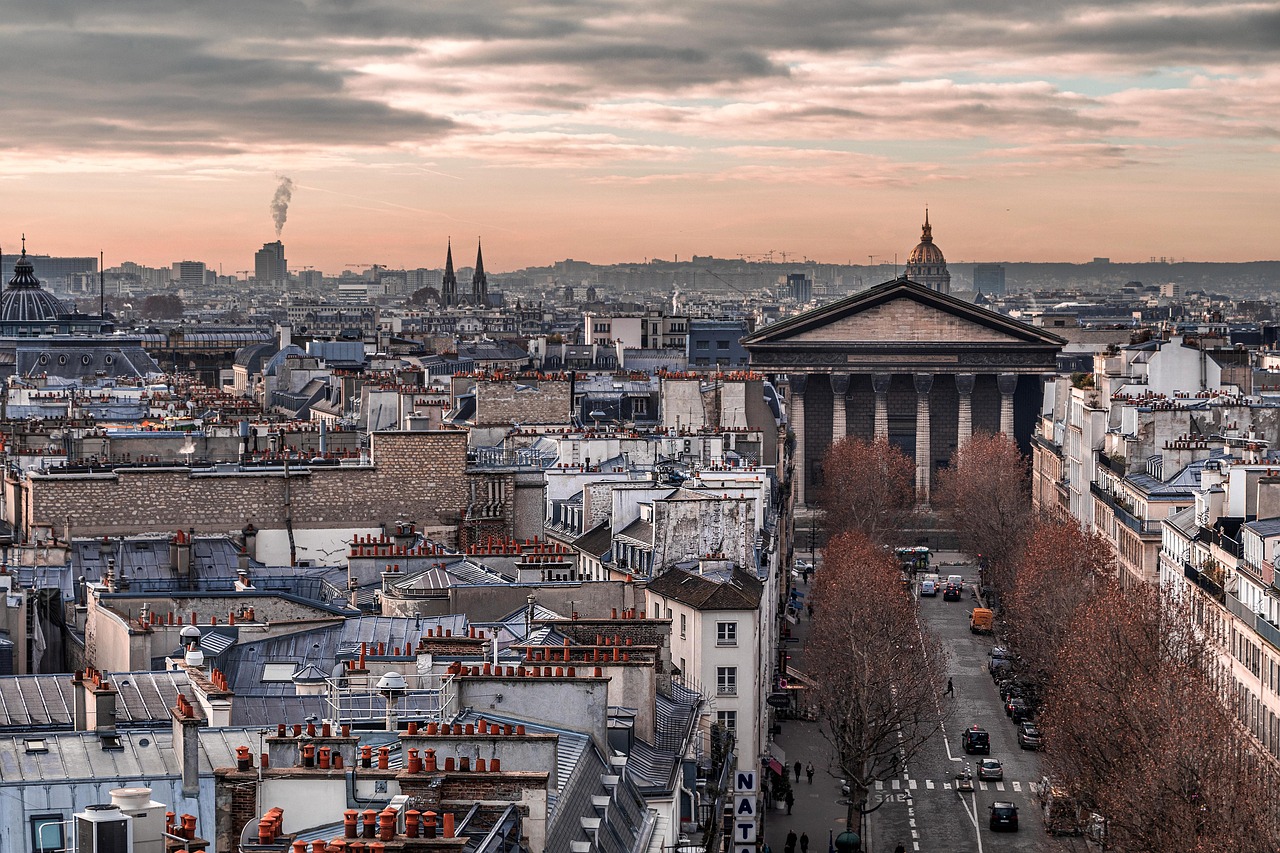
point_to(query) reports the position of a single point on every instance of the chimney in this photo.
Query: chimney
(100, 705)
(187, 720)
(180, 554)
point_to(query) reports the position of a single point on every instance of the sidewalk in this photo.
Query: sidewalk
(819, 809)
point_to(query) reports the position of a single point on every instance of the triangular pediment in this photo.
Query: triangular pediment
(901, 311)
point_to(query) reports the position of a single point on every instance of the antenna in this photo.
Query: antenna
(102, 286)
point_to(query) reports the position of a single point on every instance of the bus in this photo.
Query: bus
(913, 559)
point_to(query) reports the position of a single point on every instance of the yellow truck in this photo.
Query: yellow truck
(981, 620)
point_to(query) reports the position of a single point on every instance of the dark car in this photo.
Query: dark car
(975, 741)
(1022, 712)
(1004, 816)
(951, 593)
(1029, 736)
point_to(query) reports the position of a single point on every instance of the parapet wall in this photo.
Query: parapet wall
(414, 476)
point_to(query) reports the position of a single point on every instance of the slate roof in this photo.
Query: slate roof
(145, 754)
(596, 541)
(30, 703)
(1265, 527)
(738, 591)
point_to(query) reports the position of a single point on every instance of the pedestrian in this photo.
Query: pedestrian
(797, 771)
(808, 771)
(900, 849)
(810, 611)
(808, 573)
(791, 842)
(791, 800)
(804, 842)
(951, 690)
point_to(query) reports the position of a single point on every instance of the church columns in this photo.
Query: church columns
(840, 406)
(1007, 383)
(924, 461)
(880, 384)
(795, 414)
(964, 426)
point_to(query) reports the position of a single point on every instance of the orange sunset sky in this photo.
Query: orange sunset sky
(633, 129)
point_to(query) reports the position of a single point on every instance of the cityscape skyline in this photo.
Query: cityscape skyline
(618, 133)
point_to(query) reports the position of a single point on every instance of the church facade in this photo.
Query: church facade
(906, 361)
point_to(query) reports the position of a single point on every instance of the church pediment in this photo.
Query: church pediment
(900, 312)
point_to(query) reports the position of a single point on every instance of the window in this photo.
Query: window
(726, 680)
(722, 344)
(726, 633)
(727, 720)
(702, 345)
(657, 610)
(47, 833)
(639, 405)
(278, 671)
(683, 625)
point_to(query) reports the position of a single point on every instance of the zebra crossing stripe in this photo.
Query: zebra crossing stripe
(912, 784)
(879, 785)
(999, 786)
(1017, 786)
(896, 784)
(928, 784)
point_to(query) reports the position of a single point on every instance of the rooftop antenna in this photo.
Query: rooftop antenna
(102, 286)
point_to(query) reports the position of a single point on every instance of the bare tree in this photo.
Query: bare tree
(1061, 569)
(986, 494)
(868, 487)
(877, 696)
(1137, 733)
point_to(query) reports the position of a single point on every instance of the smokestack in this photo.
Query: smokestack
(280, 203)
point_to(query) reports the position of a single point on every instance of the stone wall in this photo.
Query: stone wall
(523, 401)
(415, 476)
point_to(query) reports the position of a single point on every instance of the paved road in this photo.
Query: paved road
(923, 810)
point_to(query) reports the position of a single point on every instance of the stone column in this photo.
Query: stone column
(880, 384)
(1007, 383)
(924, 461)
(964, 426)
(840, 406)
(795, 414)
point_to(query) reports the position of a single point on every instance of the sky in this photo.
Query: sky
(625, 130)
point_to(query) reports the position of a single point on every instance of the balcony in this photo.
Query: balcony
(1205, 582)
(1264, 629)
(1122, 513)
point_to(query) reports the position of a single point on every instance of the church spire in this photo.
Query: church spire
(479, 281)
(449, 284)
(926, 234)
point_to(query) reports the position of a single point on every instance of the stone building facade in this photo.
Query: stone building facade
(412, 476)
(908, 363)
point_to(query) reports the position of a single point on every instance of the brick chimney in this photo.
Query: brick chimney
(95, 702)
(187, 720)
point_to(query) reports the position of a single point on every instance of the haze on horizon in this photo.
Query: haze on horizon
(613, 132)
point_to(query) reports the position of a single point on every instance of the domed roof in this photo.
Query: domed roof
(925, 251)
(24, 300)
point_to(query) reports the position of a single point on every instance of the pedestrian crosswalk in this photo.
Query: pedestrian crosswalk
(1016, 787)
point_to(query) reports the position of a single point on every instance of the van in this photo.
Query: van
(981, 620)
(928, 588)
(955, 580)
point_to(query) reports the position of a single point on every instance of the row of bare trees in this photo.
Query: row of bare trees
(1135, 724)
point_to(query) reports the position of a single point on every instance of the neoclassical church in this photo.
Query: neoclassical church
(41, 339)
(907, 361)
(926, 264)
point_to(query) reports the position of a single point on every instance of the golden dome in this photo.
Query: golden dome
(926, 253)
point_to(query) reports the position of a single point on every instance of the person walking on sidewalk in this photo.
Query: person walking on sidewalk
(791, 842)
(797, 771)
(791, 800)
(900, 849)
(808, 771)
(810, 611)
(804, 842)
(951, 690)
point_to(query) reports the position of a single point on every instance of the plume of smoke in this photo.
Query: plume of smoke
(280, 203)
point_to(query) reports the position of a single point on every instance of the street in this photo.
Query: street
(923, 810)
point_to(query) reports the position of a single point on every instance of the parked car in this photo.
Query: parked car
(990, 770)
(1022, 712)
(1004, 816)
(951, 593)
(976, 740)
(1029, 736)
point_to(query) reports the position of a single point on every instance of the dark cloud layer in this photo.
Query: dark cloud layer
(208, 76)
